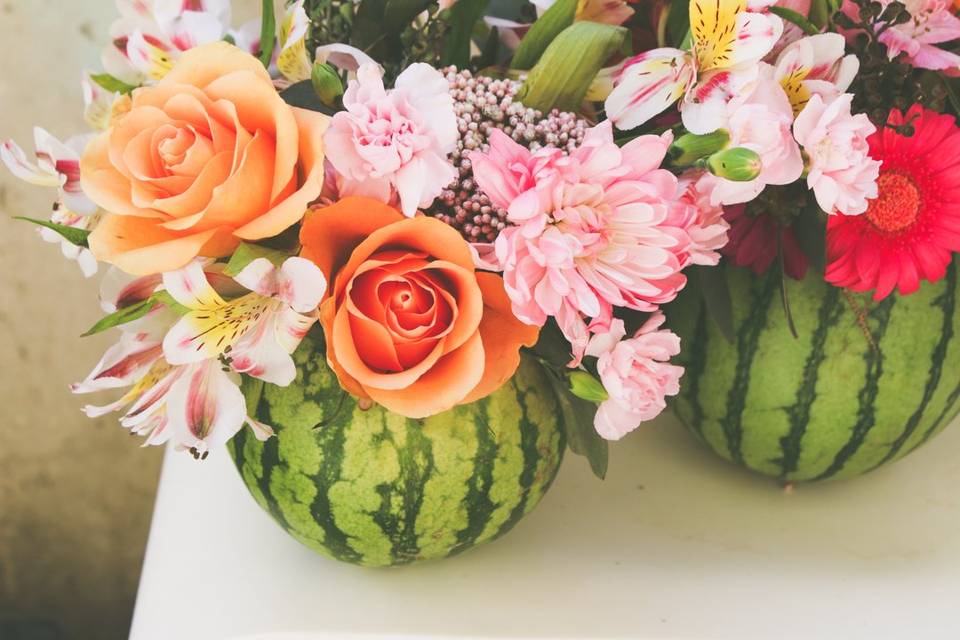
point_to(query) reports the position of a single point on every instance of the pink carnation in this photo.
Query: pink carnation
(761, 121)
(595, 229)
(636, 374)
(841, 172)
(393, 145)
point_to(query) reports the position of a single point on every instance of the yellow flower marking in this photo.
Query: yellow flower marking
(713, 26)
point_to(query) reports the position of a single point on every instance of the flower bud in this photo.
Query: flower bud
(585, 386)
(690, 147)
(326, 83)
(738, 164)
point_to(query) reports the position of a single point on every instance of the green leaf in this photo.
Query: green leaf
(716, 296)
(463, 15)
(135, 312)
(552, 347)
(810, 228)
(268, 32)
(796, 18)
(70, 234)
(112, 84)
(678, 23)
(368, 32)
(547, 27)
(563, 75)
(398, 14)
(247, 253)
(577, 416)
(302, 94)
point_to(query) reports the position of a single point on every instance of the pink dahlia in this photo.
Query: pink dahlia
(636, 373)
(910, 231)
(393, 145)
(703, 221)
(593, 230)
(841, 172)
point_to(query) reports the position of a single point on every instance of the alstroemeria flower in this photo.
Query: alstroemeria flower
(293, 61)
(728, 42)
(197, 405)
(57, 165)
(150, 35)
(815, 66)
(257, 331)
(932, 22)
(98, 103)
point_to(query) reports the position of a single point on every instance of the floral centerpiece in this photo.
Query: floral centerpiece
(419, 249)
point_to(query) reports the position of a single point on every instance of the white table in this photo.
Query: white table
(674, 544)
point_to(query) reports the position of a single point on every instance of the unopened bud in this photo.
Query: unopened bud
(326, 83)
(585, 386)
(738, 164)
(690, 147)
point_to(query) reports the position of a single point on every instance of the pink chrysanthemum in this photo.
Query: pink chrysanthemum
(911, 229)
(593, 230)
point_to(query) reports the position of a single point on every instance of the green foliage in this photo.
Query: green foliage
(796, 18)
(578, 416)
(70, 234)
(268, 32)
(570, 64)
(114, 85)
(247, 253)
(135, 312)
(554, 20)
(463, 15)
(678, 23)
(586, 387)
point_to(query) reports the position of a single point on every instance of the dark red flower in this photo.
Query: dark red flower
(910, 230)
(753, 242)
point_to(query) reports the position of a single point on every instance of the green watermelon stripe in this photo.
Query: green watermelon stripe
(799, 413)
(332, 441)
(947, 410)
(413, 485)
(478, 492)
(531, 459)
(693, 371)
(747, 341)
(946, 302)
(868, 394)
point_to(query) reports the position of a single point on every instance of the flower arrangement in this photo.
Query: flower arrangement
(441, 190)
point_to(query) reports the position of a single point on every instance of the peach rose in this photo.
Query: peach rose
(409, 323)
(210, 156)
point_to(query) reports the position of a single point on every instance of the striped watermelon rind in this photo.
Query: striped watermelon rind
(374, 488)
(828, 404)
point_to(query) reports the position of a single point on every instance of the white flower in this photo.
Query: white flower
(257, 331)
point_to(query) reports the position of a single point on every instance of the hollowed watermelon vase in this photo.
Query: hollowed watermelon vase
(864, 384)
(373, 488)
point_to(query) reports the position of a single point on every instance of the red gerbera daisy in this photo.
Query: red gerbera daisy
(910, 230)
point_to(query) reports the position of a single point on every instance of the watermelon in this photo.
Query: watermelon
(864, 384)
(373, 488)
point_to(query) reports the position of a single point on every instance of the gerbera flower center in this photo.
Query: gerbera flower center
(898, 204)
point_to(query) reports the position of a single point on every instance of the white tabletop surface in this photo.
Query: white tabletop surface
(674, 544)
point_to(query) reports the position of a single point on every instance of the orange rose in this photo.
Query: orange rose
(209, 156)
(409, 323)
